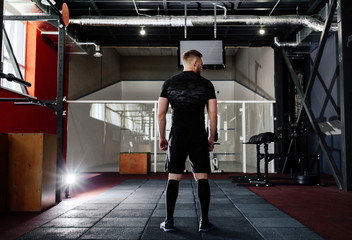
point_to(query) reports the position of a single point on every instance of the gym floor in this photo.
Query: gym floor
(113, 206)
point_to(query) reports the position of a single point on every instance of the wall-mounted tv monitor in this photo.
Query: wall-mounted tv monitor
(212, 50)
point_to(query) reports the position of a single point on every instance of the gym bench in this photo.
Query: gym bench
(262, 138)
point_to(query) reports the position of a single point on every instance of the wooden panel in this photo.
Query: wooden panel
(25, 163)
(29, 158)
(4, 158)
(49, 171)
(134, 163)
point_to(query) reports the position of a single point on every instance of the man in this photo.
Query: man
(188, 93)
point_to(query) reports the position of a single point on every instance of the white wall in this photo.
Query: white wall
(112, 92)
(141, 90)
(230, 90)
(150, 90)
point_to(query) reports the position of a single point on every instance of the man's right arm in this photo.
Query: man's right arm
(213, 114)
(162, 111)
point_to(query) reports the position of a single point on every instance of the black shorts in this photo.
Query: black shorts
(187, 142)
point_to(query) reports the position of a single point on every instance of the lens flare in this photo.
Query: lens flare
(71, 179)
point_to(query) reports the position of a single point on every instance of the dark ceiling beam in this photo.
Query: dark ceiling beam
(237, 3)
(95, 7)
(166, 12)
(305, 32)
(165, 6)
(315, 6)
(98, 11)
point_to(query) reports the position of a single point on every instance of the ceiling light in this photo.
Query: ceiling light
(46, 3)
(261, 31)
(97, 54)
(142, 32)
(97, 51)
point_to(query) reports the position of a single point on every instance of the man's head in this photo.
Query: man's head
(192, 61)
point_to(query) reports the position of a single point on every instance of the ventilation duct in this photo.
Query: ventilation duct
(286, 44)
(195, 21)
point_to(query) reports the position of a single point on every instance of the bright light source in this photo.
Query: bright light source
(97, 54)
(70, 179)
(97, 51)
(261, 31)
(142, 32)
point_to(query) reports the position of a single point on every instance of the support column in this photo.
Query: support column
(60, 109)
(344, 18)
(1, 27)
(155, 135)
(279, 107)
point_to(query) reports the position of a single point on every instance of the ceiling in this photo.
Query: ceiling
(163, 37)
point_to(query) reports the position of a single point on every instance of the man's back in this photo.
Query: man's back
(188, 93)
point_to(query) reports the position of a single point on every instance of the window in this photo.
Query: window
(16, 32)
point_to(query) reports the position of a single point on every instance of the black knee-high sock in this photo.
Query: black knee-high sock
(204, 197)
(171, 197)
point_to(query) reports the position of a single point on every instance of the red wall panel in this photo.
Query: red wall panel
(41, 72)
(25, 119)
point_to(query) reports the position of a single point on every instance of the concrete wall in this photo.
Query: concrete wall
(250, 70)
(141, 77)
(88, 74)
(112, 92)
(162, 67)
(254, 68)
(148, 68)
(150, 90)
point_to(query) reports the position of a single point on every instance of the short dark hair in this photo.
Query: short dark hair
(191, 53)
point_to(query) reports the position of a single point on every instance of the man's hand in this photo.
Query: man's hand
(163, 144)
(211, 144)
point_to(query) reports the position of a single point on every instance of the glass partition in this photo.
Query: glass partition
(228, 150)
(98, 131)
(259, 118)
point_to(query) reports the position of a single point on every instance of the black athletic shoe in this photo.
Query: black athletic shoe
(167, 226)
(205, 226)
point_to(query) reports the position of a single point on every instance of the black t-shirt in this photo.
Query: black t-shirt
(188, 94)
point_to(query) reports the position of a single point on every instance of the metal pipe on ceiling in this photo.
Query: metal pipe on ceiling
(194, 21)
(298, 42)
(225, 9)
(286, 44)
(138, 13)
(214, 21)
(185, 27)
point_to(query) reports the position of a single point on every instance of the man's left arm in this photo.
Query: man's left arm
(162, 111)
